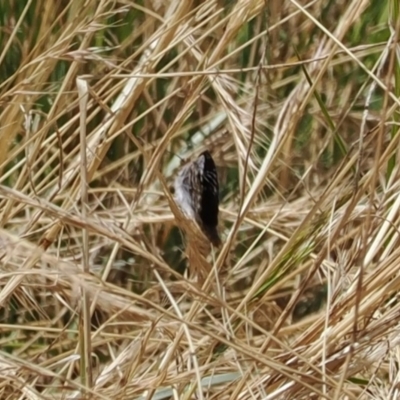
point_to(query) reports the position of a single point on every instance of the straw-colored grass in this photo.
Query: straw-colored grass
(107, 292)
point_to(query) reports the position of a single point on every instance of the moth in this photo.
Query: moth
(197, 194)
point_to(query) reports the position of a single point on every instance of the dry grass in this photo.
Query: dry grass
(298, 103)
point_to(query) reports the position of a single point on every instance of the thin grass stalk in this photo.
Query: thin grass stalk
(394, 24)
(85, 314)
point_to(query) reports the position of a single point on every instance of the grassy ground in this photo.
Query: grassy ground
(103, 296)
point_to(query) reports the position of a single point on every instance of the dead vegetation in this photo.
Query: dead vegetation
(298, 103)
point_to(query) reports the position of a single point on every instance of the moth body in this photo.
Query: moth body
(197, 194)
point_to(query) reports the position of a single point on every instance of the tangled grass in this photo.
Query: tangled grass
(107, 292)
